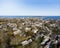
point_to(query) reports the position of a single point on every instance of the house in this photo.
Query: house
(20, 27)
(17, 32)
(53, 25)
(5, 29)
(27, 29)
(35, 30)
(47, 21)
(45, 41)
(0, 26)
(56, 43)
(38, 24)
(12, 25)
(30, 40)
(14, 29)
(22, 34)
(42, 35)
(26, 42)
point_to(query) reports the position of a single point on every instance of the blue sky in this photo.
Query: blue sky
(30, 7)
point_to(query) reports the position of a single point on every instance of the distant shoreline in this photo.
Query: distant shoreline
(42, 17)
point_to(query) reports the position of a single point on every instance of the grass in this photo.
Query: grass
(17, 40)
(19, 47)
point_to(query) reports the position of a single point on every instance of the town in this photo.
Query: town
(29, 33)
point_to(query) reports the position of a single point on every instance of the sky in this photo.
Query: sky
(30, 7)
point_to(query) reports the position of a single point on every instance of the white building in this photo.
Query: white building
(45, 40)
(47, 21)
(15, 29)
(38, 24)
(35, 30)
(30, 40)
(26, 42)
(53, 25)
(56, 42)
(27, 29)
(17, 32)
(5, 29)
(12, 25)
(0, 26)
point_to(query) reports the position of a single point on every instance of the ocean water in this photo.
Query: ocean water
(43, 17)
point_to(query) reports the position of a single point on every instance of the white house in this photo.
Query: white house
(17, 32)
(12, 25)
(56, 42)
(38, 24)
(45, 40)
(25, 42)
(30, 40)
(35, 30)
(53, 25)
(27, 29)
(15, 29)
(47, 21)
(0, 26)
(5, 29)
